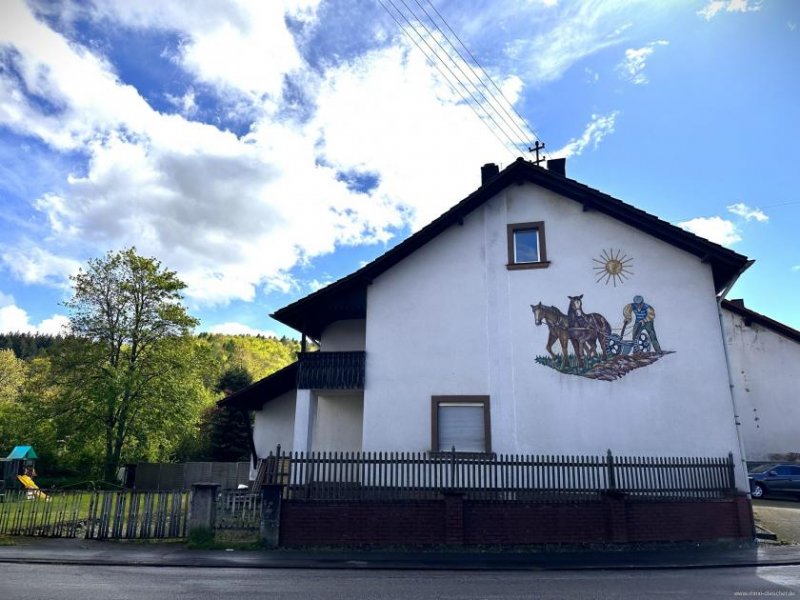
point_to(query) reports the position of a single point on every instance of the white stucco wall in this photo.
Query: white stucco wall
(452, 319)
(274, 424)
(766, 386)
(344, 336)
(338, 422)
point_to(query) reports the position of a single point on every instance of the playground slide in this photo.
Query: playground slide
(31, 485)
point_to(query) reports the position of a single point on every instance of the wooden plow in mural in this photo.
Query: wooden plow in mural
(616, 344)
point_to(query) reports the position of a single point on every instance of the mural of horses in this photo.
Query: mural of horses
(586, 330)
(557, 324)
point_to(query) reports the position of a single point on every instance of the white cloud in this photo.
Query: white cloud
(796, 268)
(186, 103)
(632, 68)
(573, 32)
(714, 7)
(13, 319)
(748, 214)
(318, 284)
(598, 128)
(591, 75)
(239, 46)
(232, 328)
(716, 229)
(31, 264)
(422, 125)
(724, 231)
(234, 214)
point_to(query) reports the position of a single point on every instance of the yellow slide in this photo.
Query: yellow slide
(31, 485)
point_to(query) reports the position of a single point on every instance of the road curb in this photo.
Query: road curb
(393, 566)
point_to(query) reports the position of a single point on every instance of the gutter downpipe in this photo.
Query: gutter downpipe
(736, 422)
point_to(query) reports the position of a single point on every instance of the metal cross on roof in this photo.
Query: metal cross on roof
(536, 147)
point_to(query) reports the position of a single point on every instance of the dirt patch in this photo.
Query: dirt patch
(610, 369)
(780, 517)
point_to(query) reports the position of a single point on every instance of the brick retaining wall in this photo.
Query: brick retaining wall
(455, 521)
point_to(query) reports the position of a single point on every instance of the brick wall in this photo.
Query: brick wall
(455, 521)
(417, 523)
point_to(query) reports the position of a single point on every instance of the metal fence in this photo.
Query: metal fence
(94, 514)
(504, 477)
(238, 511)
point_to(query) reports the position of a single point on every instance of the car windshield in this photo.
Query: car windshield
(762, 468)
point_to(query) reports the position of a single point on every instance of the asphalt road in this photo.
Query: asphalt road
(44, 582)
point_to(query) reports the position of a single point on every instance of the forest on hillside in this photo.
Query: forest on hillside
(37, 408)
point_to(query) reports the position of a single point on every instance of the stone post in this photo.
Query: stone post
(271, 495)
(203, 511)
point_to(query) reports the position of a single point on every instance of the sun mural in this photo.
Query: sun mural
(613, 266)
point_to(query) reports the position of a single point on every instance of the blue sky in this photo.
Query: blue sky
(263, 149)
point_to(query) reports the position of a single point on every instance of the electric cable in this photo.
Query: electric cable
(434, 63)
(481, 76)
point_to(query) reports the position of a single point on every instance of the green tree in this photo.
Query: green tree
(12, 374)
(127, 369)
(228, 430)
(12, 378)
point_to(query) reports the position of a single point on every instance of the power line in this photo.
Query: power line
(478, 64)
(435, 62)
(455, 76)
(530, 133)
(458, 64)
(501, 118)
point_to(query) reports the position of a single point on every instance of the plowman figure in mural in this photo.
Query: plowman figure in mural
(644, 315)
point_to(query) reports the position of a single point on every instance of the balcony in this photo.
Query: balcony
(331, 370)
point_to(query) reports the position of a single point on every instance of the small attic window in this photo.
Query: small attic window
(526, 246)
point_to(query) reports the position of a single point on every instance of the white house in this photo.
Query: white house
(764, 355)
(456, 337)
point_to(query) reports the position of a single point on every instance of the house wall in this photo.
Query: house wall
(451, 319)
(765, 388)
(338, 422)
(274, 424)
(344, 336)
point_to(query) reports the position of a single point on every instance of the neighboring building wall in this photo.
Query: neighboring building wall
(451, 319)
(765, 383)
(274, 424)
(338, 422)
(344, 336)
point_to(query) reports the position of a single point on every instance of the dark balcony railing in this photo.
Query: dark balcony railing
(331, 371)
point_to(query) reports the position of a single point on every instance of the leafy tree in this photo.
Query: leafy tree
(27, 345)
(228, 430)
(12, 374)
(127, 372)
(234, 380)
(12, 378)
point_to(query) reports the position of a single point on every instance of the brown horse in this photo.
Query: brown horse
(558, 326)
(585, 331)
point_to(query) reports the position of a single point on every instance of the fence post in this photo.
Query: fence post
(731, 473)
(271, 514)
(453, 468)
(612, 476)
(203, 509)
